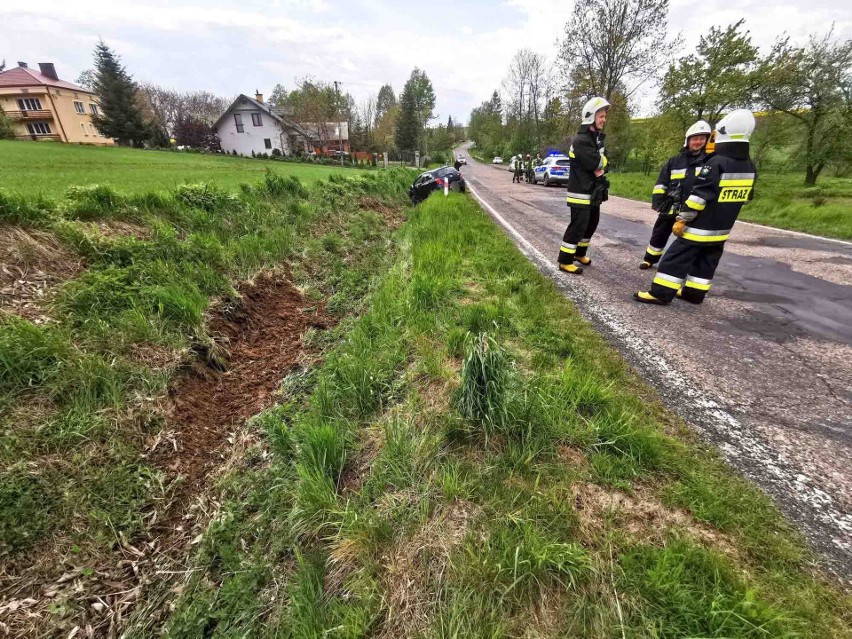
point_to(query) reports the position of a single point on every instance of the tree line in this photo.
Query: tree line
(615, 48)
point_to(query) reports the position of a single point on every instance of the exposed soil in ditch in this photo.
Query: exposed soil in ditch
(258, 340)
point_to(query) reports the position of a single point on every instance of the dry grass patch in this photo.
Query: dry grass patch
(416, 567)
(643, 516)
(32, 264)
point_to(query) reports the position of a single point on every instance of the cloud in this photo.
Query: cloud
(215, 46)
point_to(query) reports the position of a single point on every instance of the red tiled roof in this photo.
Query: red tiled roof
(21, 77)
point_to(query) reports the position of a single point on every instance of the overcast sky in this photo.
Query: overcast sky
(237, 47)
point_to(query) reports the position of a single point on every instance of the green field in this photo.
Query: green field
(49, 168)
(781, 200)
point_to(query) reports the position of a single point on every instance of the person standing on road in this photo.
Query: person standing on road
(673, 187)
(528, 166)
(724, 184)
(518, 170)
(587, 186)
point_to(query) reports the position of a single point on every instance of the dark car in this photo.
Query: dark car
(434, 180)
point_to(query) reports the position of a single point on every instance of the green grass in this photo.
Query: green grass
(48, 169)
(435, 477)
(781, 200)
(76, 403)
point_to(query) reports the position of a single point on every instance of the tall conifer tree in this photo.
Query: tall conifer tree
(120, 116)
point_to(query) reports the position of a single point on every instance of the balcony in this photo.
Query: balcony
(39, 136)
(40, 114)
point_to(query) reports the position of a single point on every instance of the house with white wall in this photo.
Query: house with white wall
(250, 124)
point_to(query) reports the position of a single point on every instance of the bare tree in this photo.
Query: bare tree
(615, 45)
(529, 88)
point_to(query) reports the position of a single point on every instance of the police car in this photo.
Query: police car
(553, 170)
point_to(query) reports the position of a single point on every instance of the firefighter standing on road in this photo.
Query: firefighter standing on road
(673, 188)
(528, 168)
(587, 186)
(724, 184)
(518, 169)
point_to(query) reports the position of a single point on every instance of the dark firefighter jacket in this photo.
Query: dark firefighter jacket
(721, 188)
(681, 170)
(585, 157)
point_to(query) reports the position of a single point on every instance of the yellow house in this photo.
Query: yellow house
(43, 107)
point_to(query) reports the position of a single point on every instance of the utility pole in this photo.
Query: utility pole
(339, 123)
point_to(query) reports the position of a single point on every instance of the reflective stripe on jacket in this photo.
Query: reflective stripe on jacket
(721, 189)
(683, 168)
(585, 157)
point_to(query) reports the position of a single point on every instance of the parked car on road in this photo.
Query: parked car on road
(462, 159)
(434, 180)
(497, 160)
(553, 170)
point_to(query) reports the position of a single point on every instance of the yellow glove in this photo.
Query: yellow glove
(605, 162)
(678, 227)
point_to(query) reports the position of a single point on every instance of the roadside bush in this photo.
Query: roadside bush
(278, 185)
(93, 201)
(207, 197)
(25, 211)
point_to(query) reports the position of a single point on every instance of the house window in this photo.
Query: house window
(79, 108)
(238, 120)
(255, 119)
(93, 108)
(38, 128)
(267, 143)
(29, 104)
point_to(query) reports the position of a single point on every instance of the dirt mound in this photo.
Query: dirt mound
(32, 263)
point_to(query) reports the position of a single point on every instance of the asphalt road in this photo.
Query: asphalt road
(763, 369)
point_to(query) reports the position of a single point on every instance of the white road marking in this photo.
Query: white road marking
(741, 444)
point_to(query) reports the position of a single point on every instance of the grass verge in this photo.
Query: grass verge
(781, 200)
(475, 461)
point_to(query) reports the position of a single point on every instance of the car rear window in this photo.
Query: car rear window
(562, 163)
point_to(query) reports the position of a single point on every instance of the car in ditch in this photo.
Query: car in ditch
(553, 170)
(435, 180)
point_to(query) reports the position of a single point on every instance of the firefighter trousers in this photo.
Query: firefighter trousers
(516, 177)
(659, 237)
(578, 235)
(687, 267)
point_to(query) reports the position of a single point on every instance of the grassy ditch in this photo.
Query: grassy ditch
(86, 371)
(48, 169)
(473, 460)
(781, 200)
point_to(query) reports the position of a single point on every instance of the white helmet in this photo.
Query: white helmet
(699, 128)
(593, 106)
(737, 126)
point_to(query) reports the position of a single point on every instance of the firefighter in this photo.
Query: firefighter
(528, 169)
(587, 186)
(519, 169)
(673, 187)
(723, 185)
